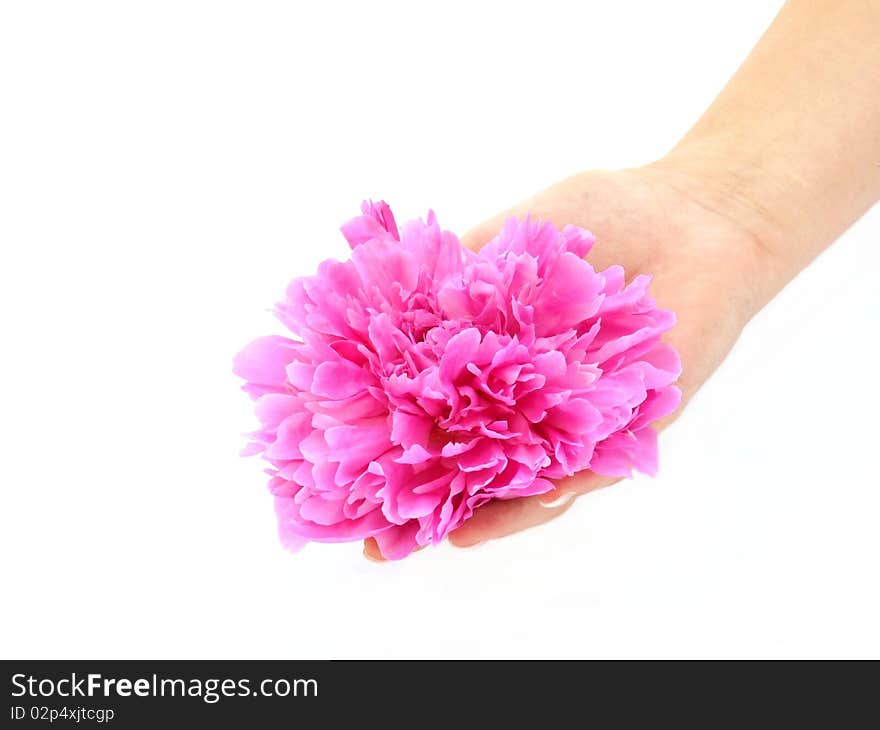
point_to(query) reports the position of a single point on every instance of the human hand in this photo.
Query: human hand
(706, 267)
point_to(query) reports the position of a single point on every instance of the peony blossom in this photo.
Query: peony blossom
(424, 379)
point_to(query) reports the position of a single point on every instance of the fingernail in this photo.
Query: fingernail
(551, 500)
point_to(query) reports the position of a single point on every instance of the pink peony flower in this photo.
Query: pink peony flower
(427, 379)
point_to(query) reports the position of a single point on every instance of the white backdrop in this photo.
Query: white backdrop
(166, 167)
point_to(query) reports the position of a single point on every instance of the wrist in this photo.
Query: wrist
(747, 197)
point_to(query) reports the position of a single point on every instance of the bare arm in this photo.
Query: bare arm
(791, 146)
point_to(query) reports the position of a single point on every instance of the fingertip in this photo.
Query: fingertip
(372, 552)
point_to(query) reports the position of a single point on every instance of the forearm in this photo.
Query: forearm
(791, 147)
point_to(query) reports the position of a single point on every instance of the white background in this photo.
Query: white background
(165, 168)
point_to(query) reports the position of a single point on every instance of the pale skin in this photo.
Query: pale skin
(781, 164)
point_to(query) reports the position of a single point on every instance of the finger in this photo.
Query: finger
(500, 518)
(371, 551)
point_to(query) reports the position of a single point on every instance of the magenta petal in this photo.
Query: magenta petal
(415, 454)
(292, 522)
(568, 295)
(409, 429)
(377, 222)
(411, 504)
(458, 353)
(263, 361)
(290, 539)
(657, 405)
(273, 408)
(340, 379)
(289, 436)
(397, 541)
(620, 453)
(322, 511)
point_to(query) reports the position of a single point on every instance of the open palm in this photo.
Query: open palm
(704, 267)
